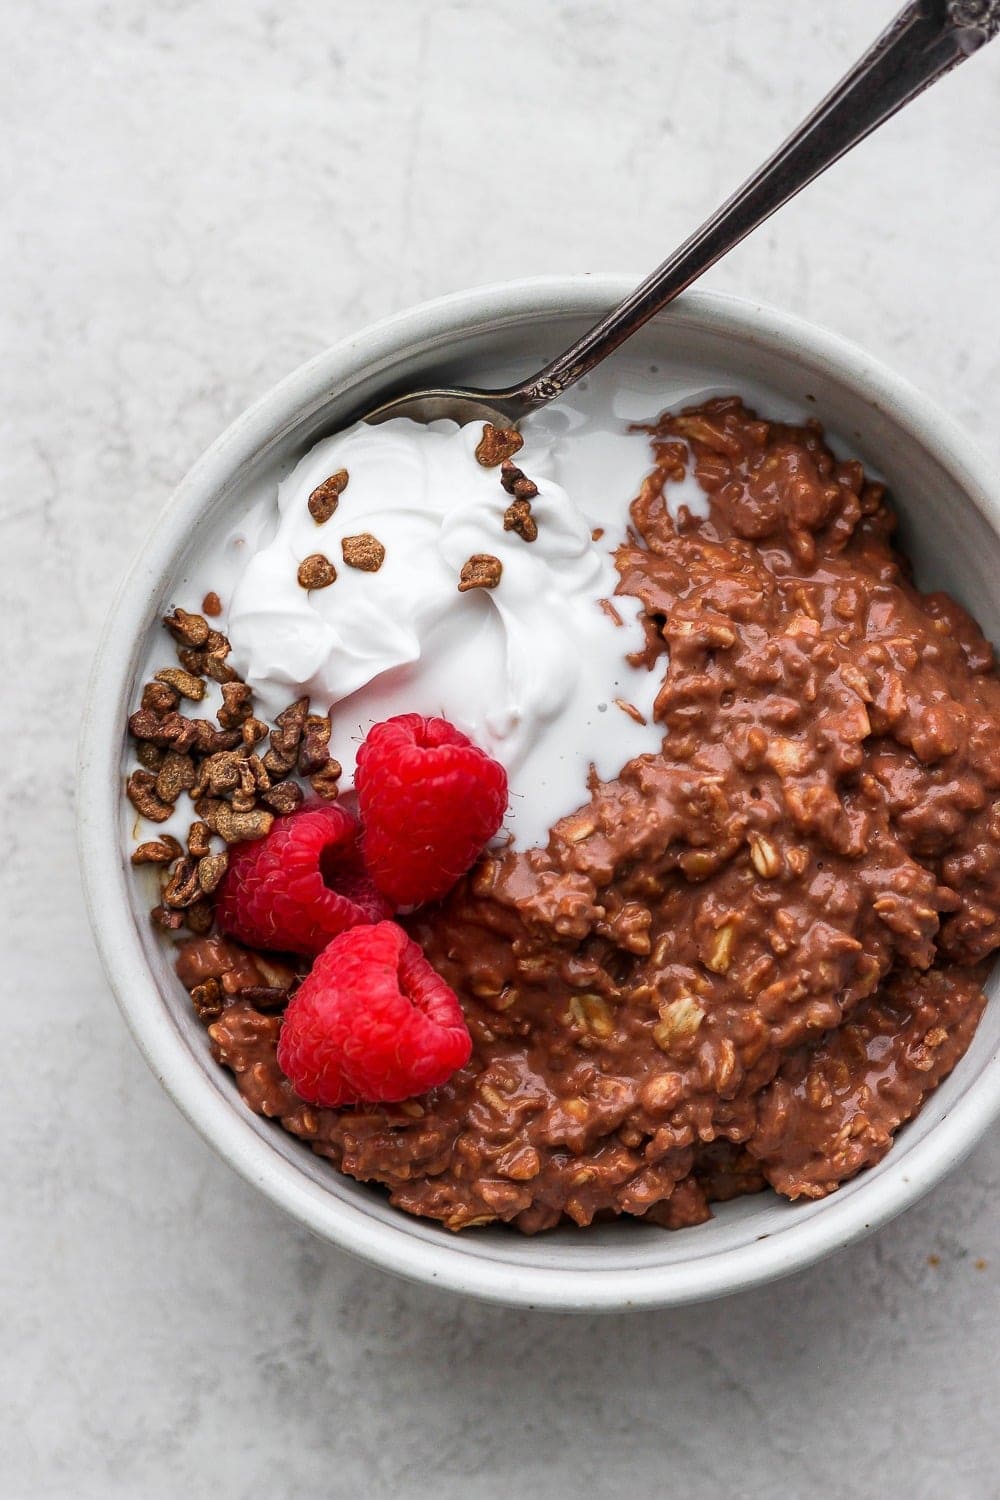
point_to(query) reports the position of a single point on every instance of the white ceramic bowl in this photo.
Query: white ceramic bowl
(951, 524)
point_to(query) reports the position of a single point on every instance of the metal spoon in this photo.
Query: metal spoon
(926, 40)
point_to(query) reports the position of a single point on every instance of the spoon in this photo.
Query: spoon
(926, 40)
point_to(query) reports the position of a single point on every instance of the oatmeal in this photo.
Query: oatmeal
(747, 958)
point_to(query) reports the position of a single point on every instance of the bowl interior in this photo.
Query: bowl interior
(950, 531)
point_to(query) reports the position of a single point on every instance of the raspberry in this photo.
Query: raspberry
(297, 888)
(430, 800)
(372, 1022)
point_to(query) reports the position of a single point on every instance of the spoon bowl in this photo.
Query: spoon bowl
(454, 404)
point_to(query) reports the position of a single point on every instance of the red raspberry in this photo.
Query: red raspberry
(430, 801)
(300, 886)
(371, 1022)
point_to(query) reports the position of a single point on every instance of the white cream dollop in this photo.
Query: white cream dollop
(530, 670)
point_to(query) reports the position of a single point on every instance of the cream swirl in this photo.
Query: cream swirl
(533, 670)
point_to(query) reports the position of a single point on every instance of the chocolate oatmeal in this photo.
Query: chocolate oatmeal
(749, 958)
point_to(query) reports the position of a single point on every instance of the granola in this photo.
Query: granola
(497, 444)
(235, 792)
(316, 572)
(517, 483)
(482, 571)
(326, 496)
(363, 551)
(517, 517)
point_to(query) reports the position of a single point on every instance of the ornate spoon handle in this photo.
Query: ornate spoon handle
(926, 40)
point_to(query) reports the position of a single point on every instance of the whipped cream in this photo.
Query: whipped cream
(533, 670)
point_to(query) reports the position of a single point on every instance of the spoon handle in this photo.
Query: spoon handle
(926, 40)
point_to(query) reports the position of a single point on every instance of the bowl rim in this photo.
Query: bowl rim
(392, 1246)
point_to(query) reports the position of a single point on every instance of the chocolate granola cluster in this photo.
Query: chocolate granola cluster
(236, 771)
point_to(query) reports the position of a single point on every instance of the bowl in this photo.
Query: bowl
(950, 512)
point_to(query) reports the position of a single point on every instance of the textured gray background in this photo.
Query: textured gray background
(200, 194)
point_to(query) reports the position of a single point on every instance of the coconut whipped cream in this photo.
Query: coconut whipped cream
(533, 670)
